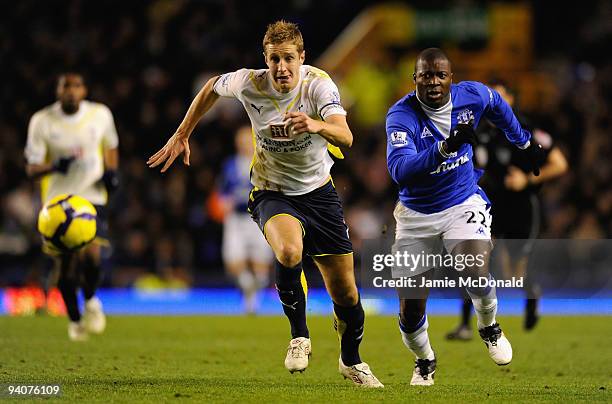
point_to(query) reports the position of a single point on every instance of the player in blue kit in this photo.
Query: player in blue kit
(430, 140)
(246, 255)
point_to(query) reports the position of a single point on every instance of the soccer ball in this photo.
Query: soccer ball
(67, 223)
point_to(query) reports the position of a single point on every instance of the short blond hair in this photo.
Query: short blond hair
(283, 31)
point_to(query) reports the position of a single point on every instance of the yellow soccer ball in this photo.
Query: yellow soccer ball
(67, 223)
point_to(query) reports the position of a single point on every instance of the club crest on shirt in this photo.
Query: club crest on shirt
(465, 116)
(399, 139)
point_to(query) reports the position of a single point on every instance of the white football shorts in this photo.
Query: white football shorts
(430, 234)
(242, 240)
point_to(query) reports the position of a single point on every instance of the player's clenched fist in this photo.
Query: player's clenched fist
(298, 123)
(177, 144)
(460, 134)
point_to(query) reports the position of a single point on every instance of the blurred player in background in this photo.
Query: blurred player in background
(430, 141)
(72, 146)
(513, 191)
(297, 120)
(246, 254)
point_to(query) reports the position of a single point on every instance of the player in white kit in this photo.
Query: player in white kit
(297, 120)
(72, 147)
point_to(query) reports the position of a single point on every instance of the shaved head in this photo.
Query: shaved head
(431, 55)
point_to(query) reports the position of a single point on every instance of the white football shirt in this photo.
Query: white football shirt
(291, 164)
(53, 134)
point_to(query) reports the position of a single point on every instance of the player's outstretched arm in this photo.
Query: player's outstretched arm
(179, 142)
(334, 129)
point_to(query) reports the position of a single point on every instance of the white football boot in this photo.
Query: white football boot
(297, 354)
(424, 372)
(94, 318)
(77, 331)
(498, 345)
(360, 374)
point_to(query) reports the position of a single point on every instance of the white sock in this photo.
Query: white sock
(246, 280)
(93, 302)
(485, 304)
(418, 341)
(485, 309)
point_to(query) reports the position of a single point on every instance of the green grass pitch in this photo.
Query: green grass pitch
(240, 359)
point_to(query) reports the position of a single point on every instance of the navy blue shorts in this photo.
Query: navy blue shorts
(319, 212)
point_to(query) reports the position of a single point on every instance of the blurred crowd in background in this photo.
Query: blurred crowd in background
(147, 59)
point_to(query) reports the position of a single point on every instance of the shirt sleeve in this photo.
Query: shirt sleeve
(110, 139)
(231, 84)
(36, 145)
(327, 98)
(404, 162)
(501, 115)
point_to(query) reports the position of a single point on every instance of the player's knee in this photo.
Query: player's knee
(345, 296)
(289, 255)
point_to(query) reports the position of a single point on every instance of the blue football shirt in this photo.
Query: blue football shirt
(430, 180)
